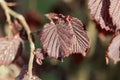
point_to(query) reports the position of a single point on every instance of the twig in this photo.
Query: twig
(8, 18)
(9, 12)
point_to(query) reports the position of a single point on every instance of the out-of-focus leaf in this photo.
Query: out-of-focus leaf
(63, 36)
(8, 49)
(33, 19)
(24, 76)
(22, 72)
(99, 10)
(9, 72)
(114, 49)
(115, 12)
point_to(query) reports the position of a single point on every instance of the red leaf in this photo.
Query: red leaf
(56, 40)
(63, 36)
(8, 49)
(99, 10)
(80, 39)
(114, 49)
(115, 12)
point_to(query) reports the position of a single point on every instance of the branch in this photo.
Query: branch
(8, 18)
(9, 12)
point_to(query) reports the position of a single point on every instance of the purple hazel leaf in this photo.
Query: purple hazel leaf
(63, 36)
(56, 39)
(99, 10)
(115, 12)
(113, 51)
(81, 42)
(8, 49)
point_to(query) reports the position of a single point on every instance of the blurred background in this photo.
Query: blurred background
(74, 67)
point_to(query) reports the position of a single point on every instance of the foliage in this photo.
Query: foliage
(63, 37)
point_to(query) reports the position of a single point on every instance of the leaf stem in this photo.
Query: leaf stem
(9, 12)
